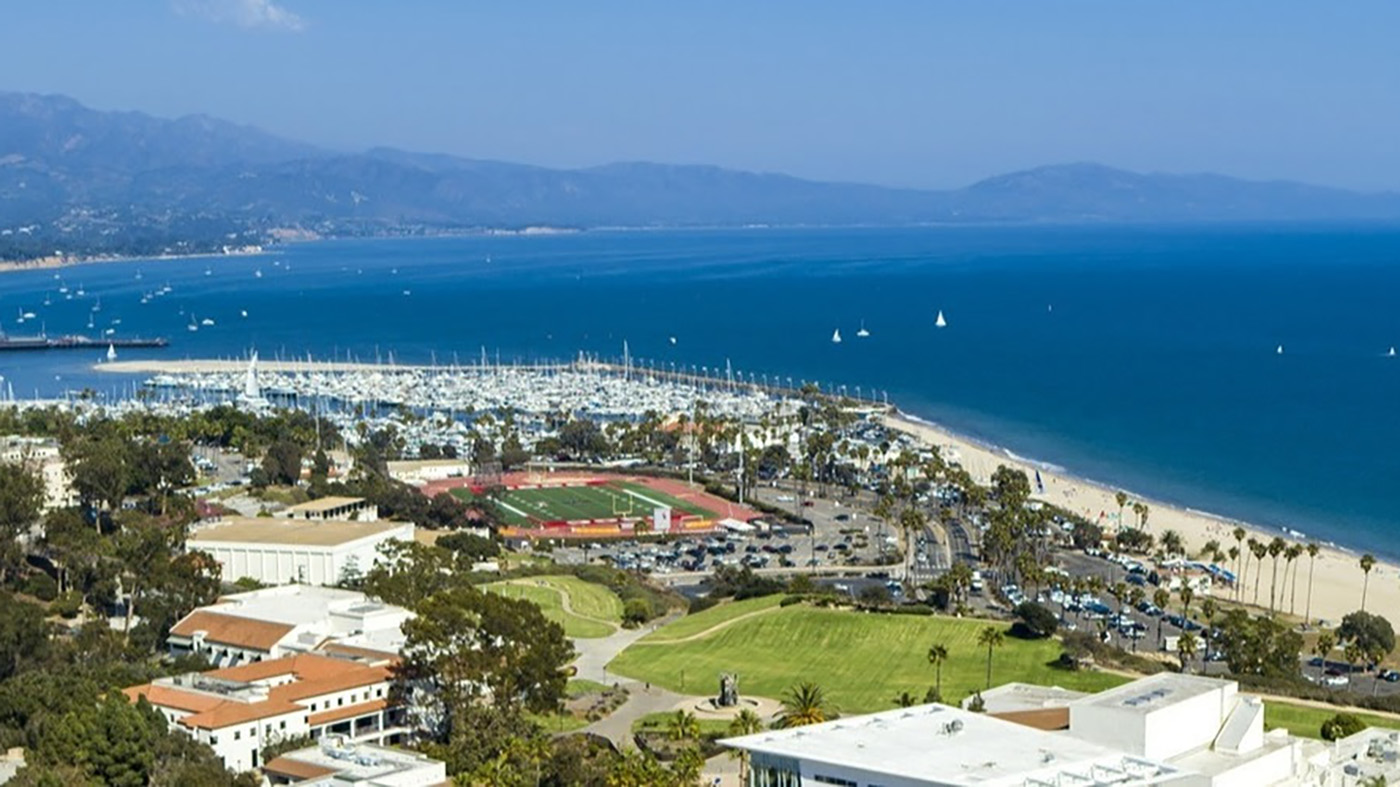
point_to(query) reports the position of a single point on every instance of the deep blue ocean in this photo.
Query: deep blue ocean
(1145, 358)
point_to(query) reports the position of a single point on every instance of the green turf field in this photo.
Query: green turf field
(861, 660)
(594, 611)
(525, 507)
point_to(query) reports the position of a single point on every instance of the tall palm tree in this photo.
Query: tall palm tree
(1234, 554)
(1187, 595)
(1276, 548)
(1208, 609)
(1122, 499)
(1186, 646)
(1313, 549)
(1161, 598)
(937, 654)
(803, 704)
(992, 638)
(1260, 550)
(1239, 533)
(1368, 562)
(746, 723)
(1292, 553)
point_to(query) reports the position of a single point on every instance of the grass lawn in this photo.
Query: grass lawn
(578, 687)
(1306, 721)
(661, 497)
(862, 661)
(694, 624)
(583, 597)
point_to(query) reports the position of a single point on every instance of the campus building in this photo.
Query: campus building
(342, 509)
(339, 763)
(42, 456)
(421, 471)
(239, 711)
(278, 551)
(283, 621)
(1165, 729)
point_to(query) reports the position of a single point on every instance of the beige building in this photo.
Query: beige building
(420, 471)
(42, 456)
(344, 509)
(277, 551)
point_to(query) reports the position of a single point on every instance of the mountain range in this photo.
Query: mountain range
(86, 182)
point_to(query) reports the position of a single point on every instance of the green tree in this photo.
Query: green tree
(683, 726)
(1368, 562)
(1372, 635)
(745, 723)
(282, 463)
(1186, 647)
(991, 638)
(803, 704)
(21, 496)
(1313, 549)
(937, 655)
(1341, 725)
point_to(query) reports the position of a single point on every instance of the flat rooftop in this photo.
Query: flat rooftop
(291, 532)
(326, 504)
(1153, 693)
(938, 744)
(294, 604)
(361, 764)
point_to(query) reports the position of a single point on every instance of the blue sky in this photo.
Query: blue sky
(904, 92)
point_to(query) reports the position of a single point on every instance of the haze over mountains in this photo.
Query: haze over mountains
(85, 181)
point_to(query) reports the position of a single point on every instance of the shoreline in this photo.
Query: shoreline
(1337, 578)
(62, 263)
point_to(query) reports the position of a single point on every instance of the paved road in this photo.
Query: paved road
(592, 663)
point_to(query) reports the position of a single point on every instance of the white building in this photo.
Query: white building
(239, 711)
(1163, 729)
(338, 763)
(343, 509)
(420, 471)
(282, 551)
(284, 621)
(42, 456)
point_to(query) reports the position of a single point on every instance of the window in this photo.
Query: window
(313, 706)
(213, 740)
(819, 778)
(237, 735)
(379, 692)
(340, 701)
(284, 724)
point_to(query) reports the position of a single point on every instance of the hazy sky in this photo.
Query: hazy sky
(904, 92)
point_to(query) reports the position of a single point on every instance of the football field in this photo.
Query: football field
(615, 500)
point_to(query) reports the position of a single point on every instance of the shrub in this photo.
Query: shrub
(67, 605)
(41, 586)
(1341, 726)
(1036, 621)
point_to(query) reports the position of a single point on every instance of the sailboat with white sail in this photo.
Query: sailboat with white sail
(836, 336)
(940, 322)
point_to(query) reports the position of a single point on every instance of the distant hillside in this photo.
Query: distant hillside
(84, 181)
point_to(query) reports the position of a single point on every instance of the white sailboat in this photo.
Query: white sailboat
(193, 326)
(1279, 351)
(206, 321)
(862, 333)
(111, 352)
(836, 336)
(243, 313)
(940, 322)
(1390, 354)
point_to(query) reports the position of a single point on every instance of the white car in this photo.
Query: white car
(1335, 680)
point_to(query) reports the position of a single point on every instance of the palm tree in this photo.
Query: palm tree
(1276, 548)
(1234, 554)
(1171, 543)
(1291, 554)
(683, 727)
(905, 700)
(992, 637)
(1260, 550)
(1187, 595)
(1186, 648)
(1209, 608)
(1161, 598)
(1368, 562)
(746, 723)
(1239, 533)
(1313, 549)
(1122, 499)
(804, 704)
(937, 654)
(1326, 641)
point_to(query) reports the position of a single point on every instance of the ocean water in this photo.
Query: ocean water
(1140, 357)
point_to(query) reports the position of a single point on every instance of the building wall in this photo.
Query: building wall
(1276, 767)
(1188, 724)
(279, 564)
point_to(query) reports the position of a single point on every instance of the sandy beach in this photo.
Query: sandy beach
(1337, 577)
(56, 262)
(1337, 580)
